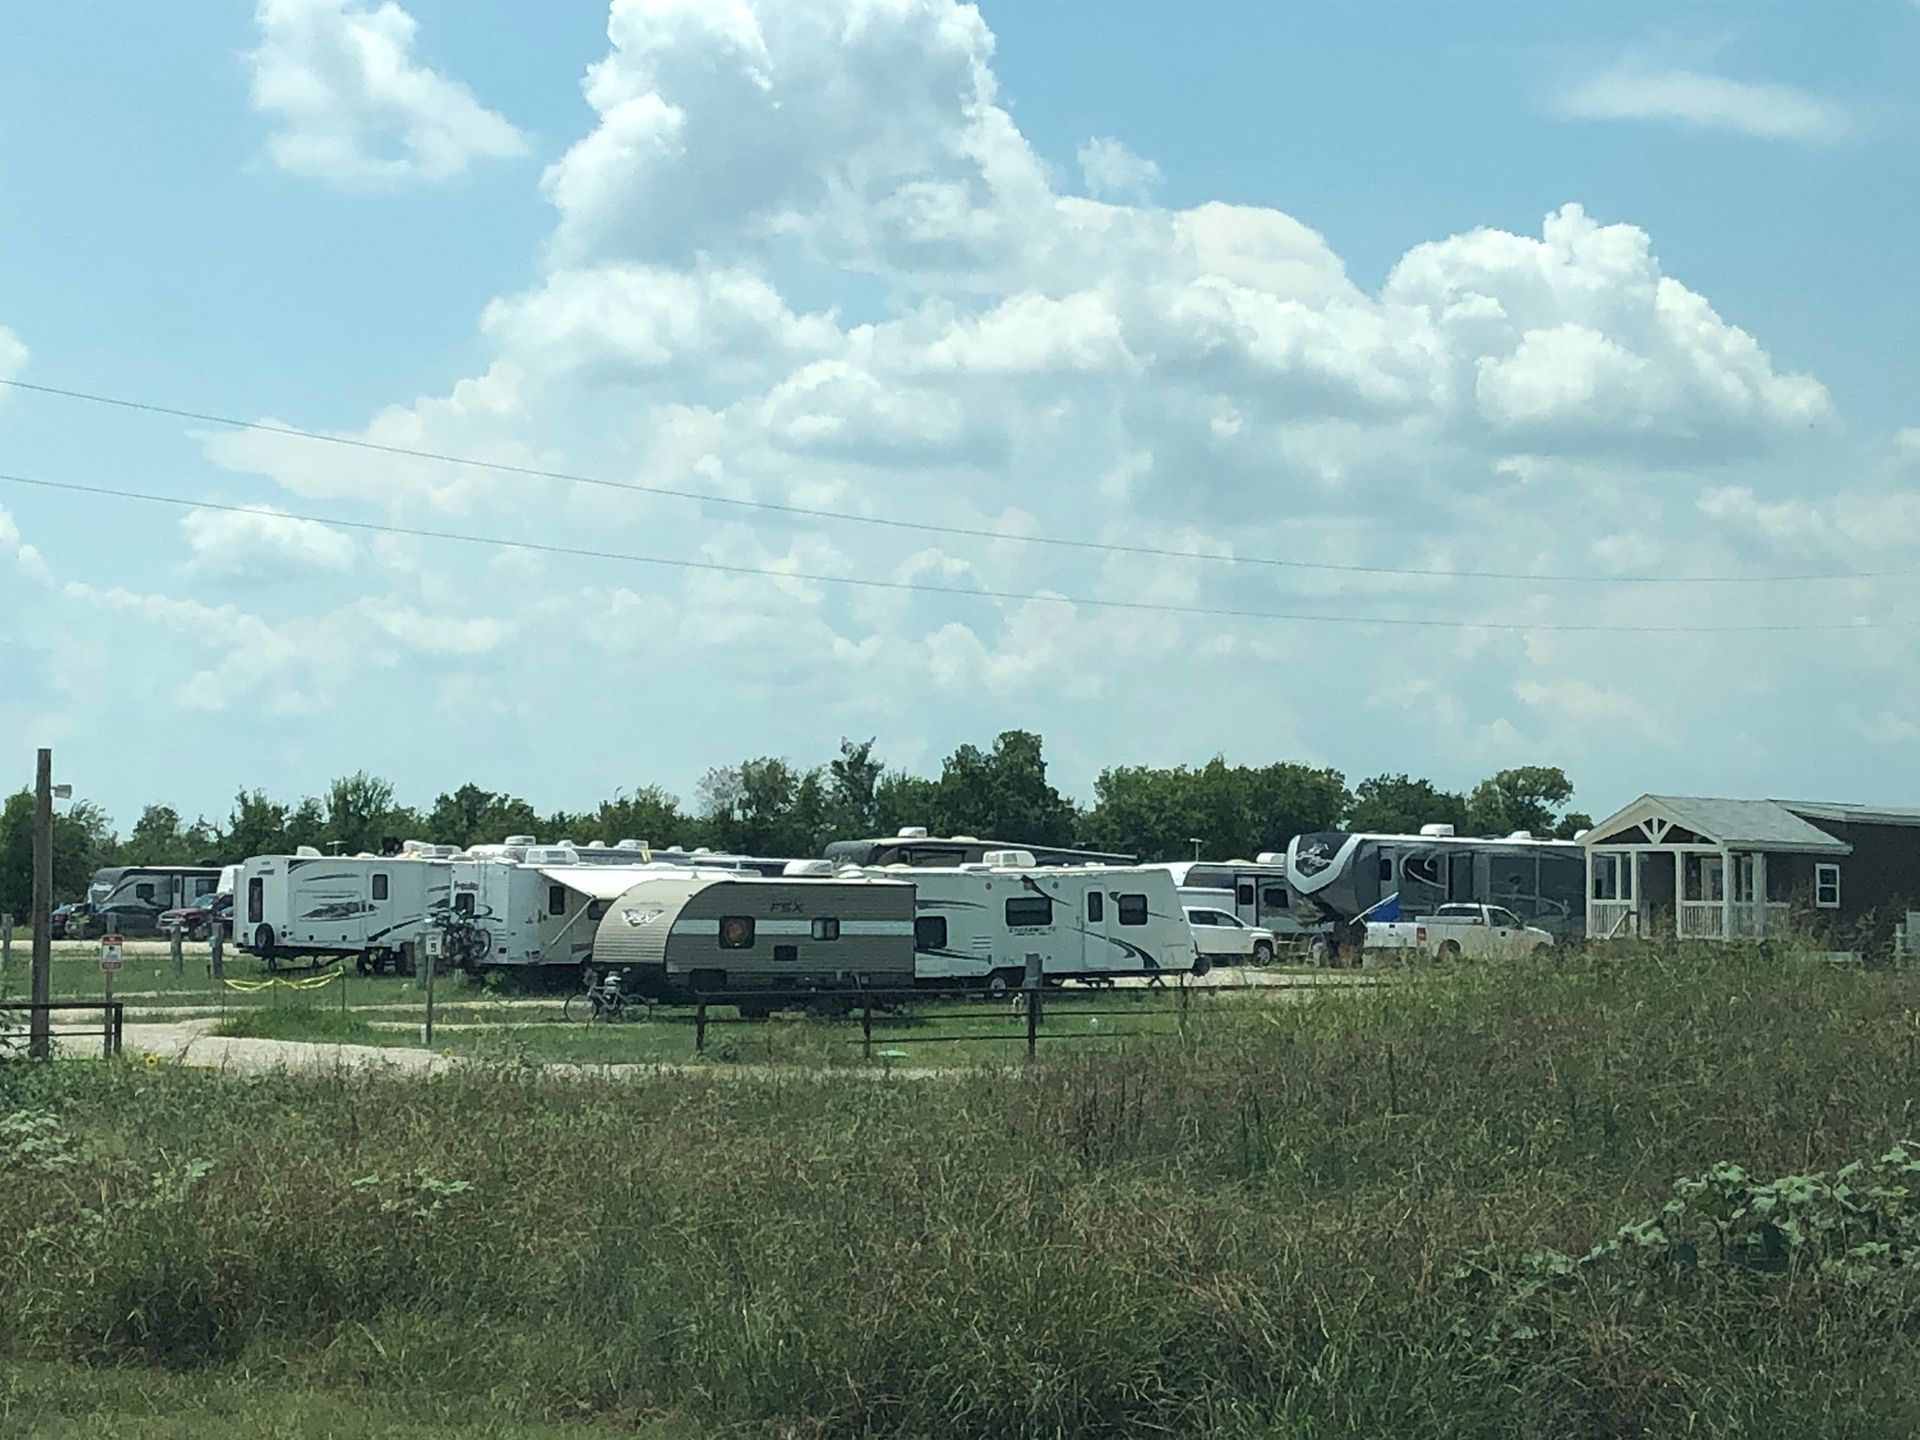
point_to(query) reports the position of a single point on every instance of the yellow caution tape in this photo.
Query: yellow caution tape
(304, 982)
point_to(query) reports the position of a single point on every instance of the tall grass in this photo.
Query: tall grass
(1259, 1230)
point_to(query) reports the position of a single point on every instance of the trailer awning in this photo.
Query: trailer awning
(599, 882)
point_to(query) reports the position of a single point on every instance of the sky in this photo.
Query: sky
(1410, 387)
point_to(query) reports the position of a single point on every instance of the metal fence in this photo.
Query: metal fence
(111, 1027)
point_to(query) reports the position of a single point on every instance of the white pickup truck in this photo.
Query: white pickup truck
(1456, 932)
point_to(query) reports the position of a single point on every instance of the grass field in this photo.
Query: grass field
(1388, 1214)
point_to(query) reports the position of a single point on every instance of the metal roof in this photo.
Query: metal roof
(603, 882)
(1856, 814)
(1740, 824)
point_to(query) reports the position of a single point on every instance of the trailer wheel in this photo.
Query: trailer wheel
(1002, 983)
(263, 943)
(363, 962)
(403, 960)
(755, 1010)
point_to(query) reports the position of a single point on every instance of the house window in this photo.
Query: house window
(930, 932)
(1133, 909)
(256, 900)
(1029, 910)
(1096, 905)
(1612, 877)
(1826, 886)
(736, 932)
(826, 928)
(556, 900)
(379, 887)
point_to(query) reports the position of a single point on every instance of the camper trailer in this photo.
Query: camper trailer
(1254, 891)
(978, 924)
(1342, 879)
(686, 934)
(313, 906)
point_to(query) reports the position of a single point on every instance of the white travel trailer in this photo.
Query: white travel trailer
(980, 923)
(373, 909)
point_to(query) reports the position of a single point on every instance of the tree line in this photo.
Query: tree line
(770, 806)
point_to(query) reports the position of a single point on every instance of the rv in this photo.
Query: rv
(980, 923)
(129, 899)
(1344, 879)
(694, 934)
(370, 909)
(914, 847)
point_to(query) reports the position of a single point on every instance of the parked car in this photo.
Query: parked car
(198, 921)
(59, 922)
(1456, 932)
(134, 920)
(1226, 939)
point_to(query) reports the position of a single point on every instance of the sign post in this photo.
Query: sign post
(434, 940)
(110, 961)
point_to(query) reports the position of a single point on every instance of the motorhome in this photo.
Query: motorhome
(129, 899)
(980, 923)
(914, 847)
(683, 934)
(1342, 878)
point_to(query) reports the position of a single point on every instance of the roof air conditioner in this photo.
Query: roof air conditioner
(912, 832)
(1271, 857)
(1438, 832)
(1521, 835)
(520, 840)
(306, 850)
(1008, 860)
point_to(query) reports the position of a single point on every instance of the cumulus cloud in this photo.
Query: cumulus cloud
(25, 558)
(1708, 102)
(1111, 171)
(261, 545)
(353, 104)
(13, 354)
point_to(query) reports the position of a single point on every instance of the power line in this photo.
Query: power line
(922, 588)
(928, 527)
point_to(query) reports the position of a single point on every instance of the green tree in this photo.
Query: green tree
(473, 816)
(649, 814)
(158, 838)
(854, 789)
(1527, 797)
(360, 810)
(82, 843)
(900, 799)
(1235, 811)
(257, 826)
(1400, 805)
(1003, 794)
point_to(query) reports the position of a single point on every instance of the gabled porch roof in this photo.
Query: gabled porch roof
(1732, 824)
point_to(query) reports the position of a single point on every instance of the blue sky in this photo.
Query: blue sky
(1227, 279)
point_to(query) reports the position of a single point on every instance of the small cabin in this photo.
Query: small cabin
(1699, 868)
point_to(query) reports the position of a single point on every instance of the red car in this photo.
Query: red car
(198, 921)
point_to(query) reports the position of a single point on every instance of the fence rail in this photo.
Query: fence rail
(111, 1029)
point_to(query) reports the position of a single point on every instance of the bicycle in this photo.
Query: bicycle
(604, 1000)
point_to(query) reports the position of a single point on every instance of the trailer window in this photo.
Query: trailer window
(787, 954)
(463, 903)
(256, 900)
(930, 932)
(1274, 897)
(1096, 905)
(826, 928)
(379, 887)
(1243, 893)
(1029, 910)
(1133, 909)
(143, 892)
(1826, 886)
(736, 932)
(556, 900)
(1386, 869)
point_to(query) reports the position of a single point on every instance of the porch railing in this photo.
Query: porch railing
(1702, 920)
(1607, 919)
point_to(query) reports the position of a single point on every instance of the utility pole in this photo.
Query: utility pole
(40, 1028)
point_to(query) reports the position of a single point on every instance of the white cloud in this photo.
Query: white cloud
(25, 557)
(1111, 171)
(261, 545)
(1711, 102)
(354, 106)
(13, 354)
(1907, 442)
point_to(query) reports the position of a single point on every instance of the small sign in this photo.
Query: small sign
(110, 952)
(434, 944)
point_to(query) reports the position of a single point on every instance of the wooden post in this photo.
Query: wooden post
(218, 961)
(1034, 984)
(1759, 895)
(866, 1028)
(433, 964)
(177, 950)
(699, 1026)
(6, 948)
(40, 1025)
